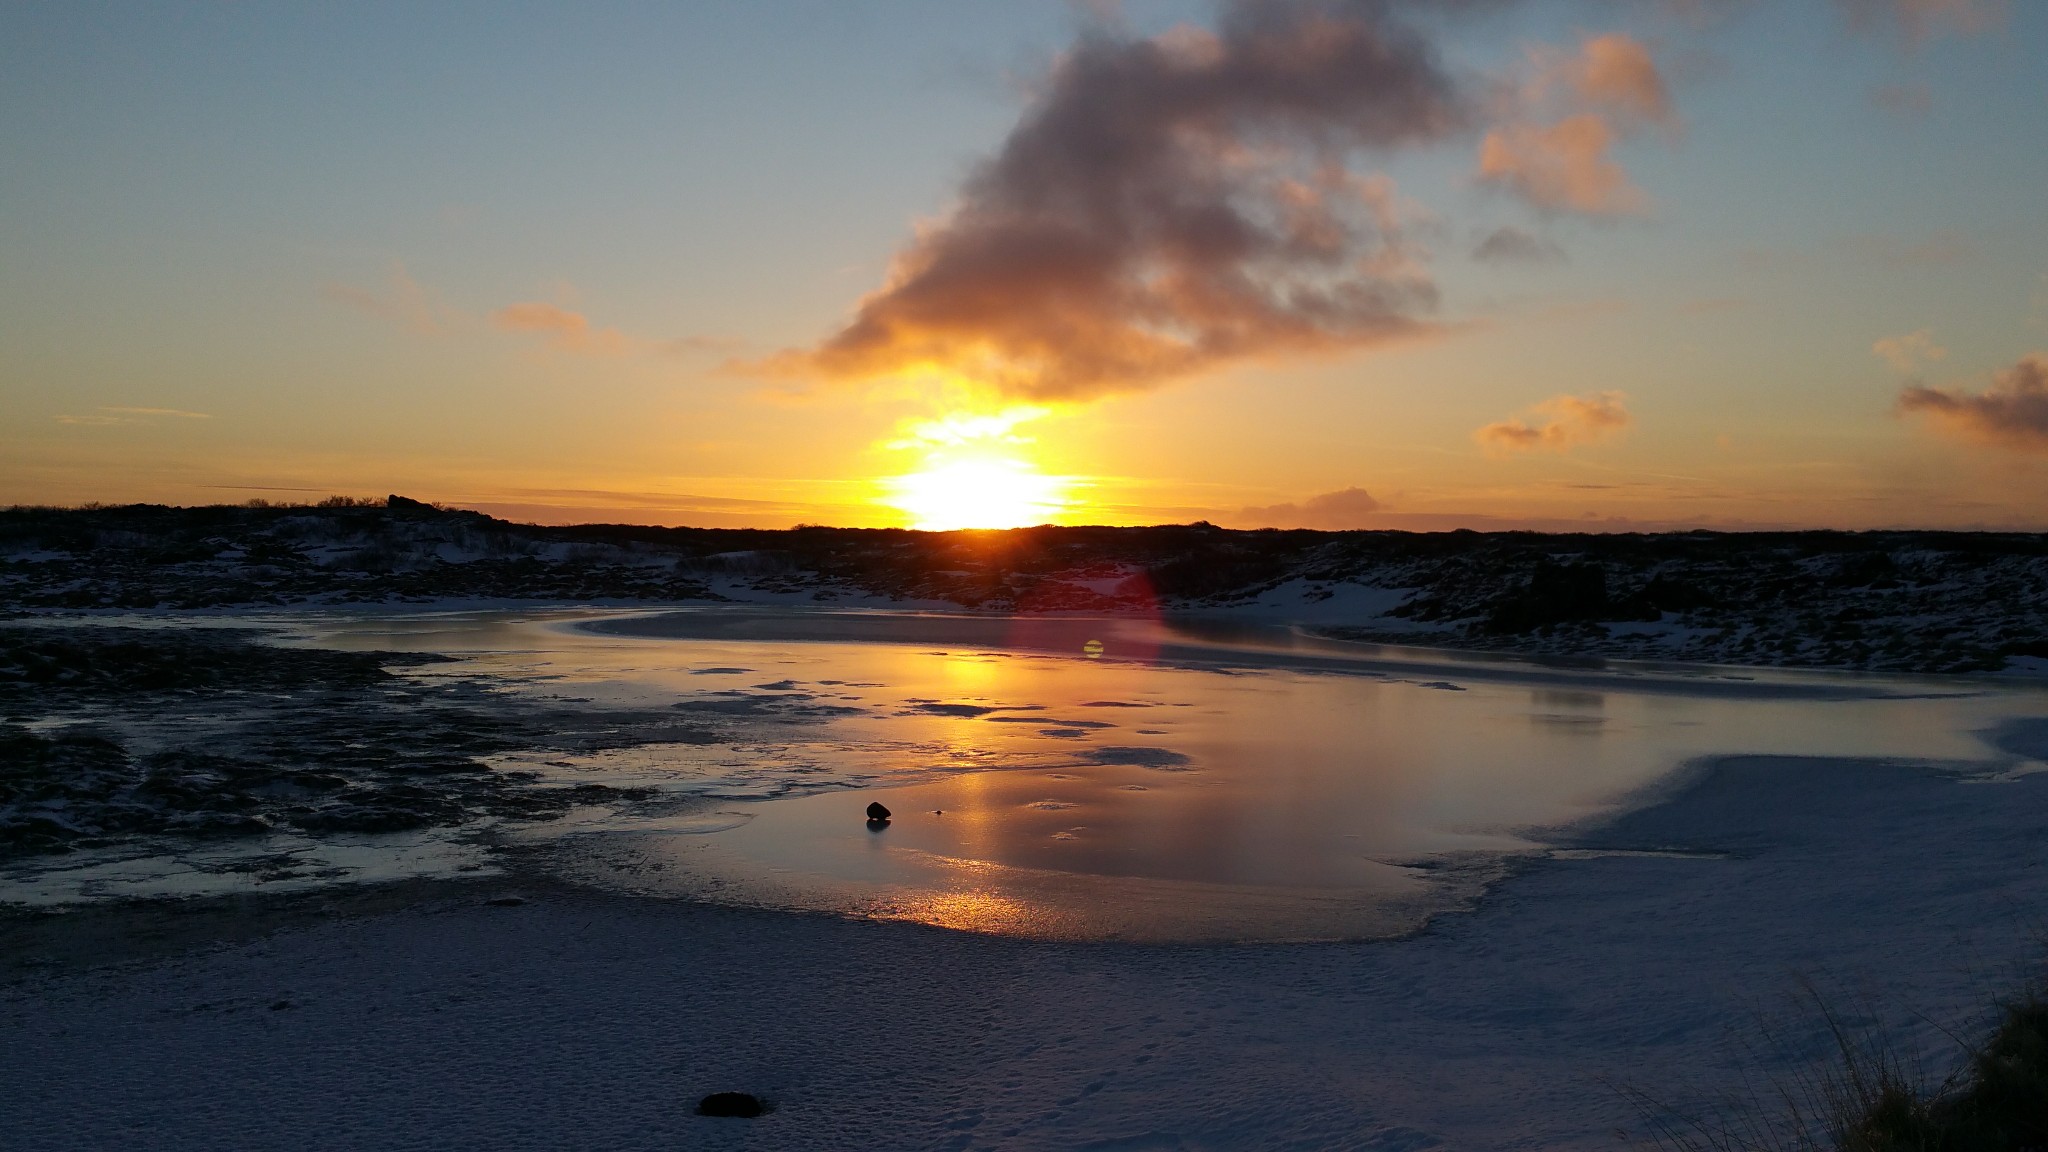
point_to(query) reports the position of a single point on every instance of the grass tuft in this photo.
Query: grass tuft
(1870, 1100)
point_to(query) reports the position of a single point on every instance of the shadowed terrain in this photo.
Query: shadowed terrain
(1895, 601)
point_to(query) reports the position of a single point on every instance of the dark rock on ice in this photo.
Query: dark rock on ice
(878, 814)
(743, 1104)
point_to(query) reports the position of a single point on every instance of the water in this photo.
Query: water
(1133, 779)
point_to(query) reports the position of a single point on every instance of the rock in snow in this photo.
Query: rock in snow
(741, 1104)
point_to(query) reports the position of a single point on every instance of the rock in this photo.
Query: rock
(742, 1104)
(878, 814)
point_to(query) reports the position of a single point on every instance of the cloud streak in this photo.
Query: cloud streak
(107, 414)
(1917, 21)
(1560, 424)
(563, 330)
(1330, 512)
(2012, 413)
(1168, 206)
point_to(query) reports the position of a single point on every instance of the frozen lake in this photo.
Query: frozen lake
(1132, 779)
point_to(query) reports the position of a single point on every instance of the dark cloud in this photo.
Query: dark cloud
(1330, 512)
(1169, 205)
(2012, 413)
(1512, 245)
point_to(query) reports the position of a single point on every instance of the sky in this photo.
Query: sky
(1553, 264)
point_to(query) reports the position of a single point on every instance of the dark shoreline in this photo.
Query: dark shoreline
(1896, 601)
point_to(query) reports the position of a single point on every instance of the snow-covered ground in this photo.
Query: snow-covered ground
(1649, 951)
(1909, 893)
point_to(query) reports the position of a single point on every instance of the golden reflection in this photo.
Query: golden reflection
(982, 910)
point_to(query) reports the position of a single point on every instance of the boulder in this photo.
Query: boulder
(742, 1104)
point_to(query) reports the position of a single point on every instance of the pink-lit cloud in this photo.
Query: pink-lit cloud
(564, 330)
(2012, 413)
(1564, 167)
(1554, 145)
(1558, 424)
(1911, 351)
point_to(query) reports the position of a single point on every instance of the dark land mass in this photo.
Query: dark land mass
(1894, 601)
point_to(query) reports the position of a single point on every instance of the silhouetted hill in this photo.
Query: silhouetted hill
(1921, 601)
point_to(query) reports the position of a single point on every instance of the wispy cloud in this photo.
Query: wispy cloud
(1910, 352)
(400, 300)
(1558, 424)
(1916, 21)
(1511, 245)
(1906, 101)
(2012, 413)
(106, 414)
(564, 330)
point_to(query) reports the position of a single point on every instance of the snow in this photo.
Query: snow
(1646, 951)
(581, 1020)
(1322, 602)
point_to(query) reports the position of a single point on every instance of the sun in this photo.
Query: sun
(978, 492)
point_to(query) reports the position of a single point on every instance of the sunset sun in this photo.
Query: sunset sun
(978, 492)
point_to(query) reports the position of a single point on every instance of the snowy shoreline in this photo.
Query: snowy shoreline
(1648, 950)
(577, 1018)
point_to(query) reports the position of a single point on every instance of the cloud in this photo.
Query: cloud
(565, 331)
(1608, 90)
(1904, 101)
(1909, 352)
(1616, 76)
(1916, 21)
(107, 414)
(1168, 206)
(1329, 512)
(1568, 421)
(1512, 245)
(402, 300)
(1562, 167)
(2012, 413)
